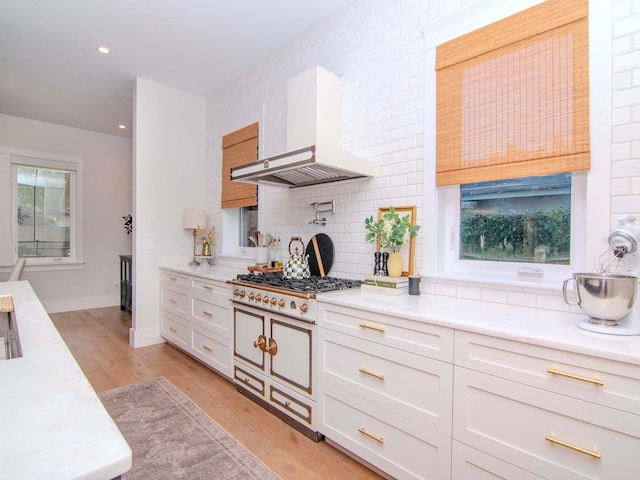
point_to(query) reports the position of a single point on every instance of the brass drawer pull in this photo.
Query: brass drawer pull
(595, 381)
(595, 455)
(173, 279)
(363, 431)
(207, 348)
(208, 314)
(371, 327)
(173, 329)
(367, 372)
(207, 287)
(173, 300)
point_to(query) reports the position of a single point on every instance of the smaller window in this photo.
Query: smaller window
(524, 220)
(43, 212)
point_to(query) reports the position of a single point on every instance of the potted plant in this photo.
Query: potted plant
(207, 239)
(391, 232)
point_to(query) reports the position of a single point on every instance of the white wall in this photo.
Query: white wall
(107, 197)
(169, 148)
(376, 47)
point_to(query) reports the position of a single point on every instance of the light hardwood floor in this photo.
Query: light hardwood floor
(99, 341)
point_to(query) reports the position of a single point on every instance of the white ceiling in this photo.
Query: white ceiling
(50, 69)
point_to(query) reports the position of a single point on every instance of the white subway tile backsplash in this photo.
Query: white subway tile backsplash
(375, 47)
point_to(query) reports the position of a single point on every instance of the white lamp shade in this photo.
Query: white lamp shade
(194, 218)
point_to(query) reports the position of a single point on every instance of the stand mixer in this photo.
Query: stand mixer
(623, 259)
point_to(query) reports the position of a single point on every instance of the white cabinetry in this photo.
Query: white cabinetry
(195, 316)
(385, 390)
(552, 413)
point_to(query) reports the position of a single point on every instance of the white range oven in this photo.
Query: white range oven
(274, 322)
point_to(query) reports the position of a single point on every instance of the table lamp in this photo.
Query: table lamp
(194, 218)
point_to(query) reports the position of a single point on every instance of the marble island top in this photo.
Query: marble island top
(53, 425)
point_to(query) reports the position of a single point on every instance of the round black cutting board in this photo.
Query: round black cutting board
(325, 248)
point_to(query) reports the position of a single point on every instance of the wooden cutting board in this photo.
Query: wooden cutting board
(321, 256)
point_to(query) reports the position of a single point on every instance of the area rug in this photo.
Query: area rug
(172, 438)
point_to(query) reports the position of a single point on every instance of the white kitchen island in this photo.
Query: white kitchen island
(52, 423)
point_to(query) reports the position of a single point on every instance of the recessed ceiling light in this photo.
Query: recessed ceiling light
(104, 50)
(122, 126)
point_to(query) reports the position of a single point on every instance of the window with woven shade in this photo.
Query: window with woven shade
(513, 97)
(239, 148)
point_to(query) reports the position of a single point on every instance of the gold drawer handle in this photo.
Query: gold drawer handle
(173, 329)
(173, 300)
(363, 431)
(208, 314)
(173, 279)
(367, 372)
(207, 287)
(595, 381)
(207, 348)
(595, 455)
(371, 327)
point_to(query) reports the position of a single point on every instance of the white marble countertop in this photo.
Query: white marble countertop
(214, 272)
(536, 326)
(52, 423)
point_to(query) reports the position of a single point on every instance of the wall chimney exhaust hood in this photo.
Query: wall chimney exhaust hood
(314, 152)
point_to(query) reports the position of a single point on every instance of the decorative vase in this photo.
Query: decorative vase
(377, 266)
(383, 267)
(394, 265)
(206, 249)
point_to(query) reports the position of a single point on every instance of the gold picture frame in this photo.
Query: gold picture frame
(408, 250)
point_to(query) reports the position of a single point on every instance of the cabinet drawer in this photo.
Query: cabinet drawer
(211, 292)
(524, 424)
(211, 316)
(471, 464)
(415, 387)
(171, 278)
(417, 337)
(593, 379)
(212, 350)
(388, 441)
(251, 381)
(174, 300)
(174, 329)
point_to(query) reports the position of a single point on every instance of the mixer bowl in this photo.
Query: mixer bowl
(607, 298)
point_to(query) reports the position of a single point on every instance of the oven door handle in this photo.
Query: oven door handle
(260, 343)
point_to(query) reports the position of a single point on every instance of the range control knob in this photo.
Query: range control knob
(304, 308)
(258, 298)
(241, 294)
(265, 299)
(251, 295)
(236, 292)
(293, 305)
(273, 301)
(281, 303)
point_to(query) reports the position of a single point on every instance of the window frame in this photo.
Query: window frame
(590, 212)
(9, 159)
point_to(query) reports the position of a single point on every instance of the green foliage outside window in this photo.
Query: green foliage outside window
(537, 237)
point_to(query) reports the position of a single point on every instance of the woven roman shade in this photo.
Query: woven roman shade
(239, 148)
(513, 97)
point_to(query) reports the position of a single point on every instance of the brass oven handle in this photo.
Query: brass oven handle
(595, 381)
(378, 439)
(371, 327)
(260, 343)
(591, 453)
(367, 372)
(272, 349)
